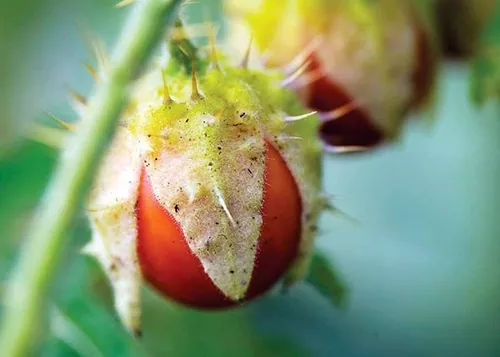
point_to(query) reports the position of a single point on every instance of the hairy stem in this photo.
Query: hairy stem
(35, 270)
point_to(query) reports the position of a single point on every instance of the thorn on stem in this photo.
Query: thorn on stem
(78, 99)
(47, 136)
(92, 71)
(61, 122)
(189, 2)
(124, 3)
(100, 52)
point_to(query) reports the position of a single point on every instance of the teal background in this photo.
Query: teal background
(422, 263)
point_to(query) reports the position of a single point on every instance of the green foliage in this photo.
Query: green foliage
(325, 278)
(183, 53)
(485, 74)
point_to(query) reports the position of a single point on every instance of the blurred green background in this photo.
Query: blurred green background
(422, 266)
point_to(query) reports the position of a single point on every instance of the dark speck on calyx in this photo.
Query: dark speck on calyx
(176, 208)
(242, 114)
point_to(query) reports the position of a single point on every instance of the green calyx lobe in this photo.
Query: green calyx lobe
(202, 145)
(219, 136)
(184, 54)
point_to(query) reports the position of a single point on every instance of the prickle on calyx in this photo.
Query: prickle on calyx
(363, 65)
(205, 192)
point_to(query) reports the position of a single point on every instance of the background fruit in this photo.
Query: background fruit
(380, 56)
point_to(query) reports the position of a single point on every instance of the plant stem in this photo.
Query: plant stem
(35, 270)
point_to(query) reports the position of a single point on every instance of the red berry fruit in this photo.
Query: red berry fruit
(378, 56)
(351, 131)
(169, 265)
(205, 193)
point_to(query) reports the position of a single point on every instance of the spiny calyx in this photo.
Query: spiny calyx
(203, 192)
(379, 56)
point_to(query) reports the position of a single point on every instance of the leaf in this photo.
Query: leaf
(281, 347)
(53, 347)
(81, 317)
(485, 71)
(72, 334)
(326, 280)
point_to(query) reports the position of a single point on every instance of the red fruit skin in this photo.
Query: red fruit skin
(280, 235)
(351, 131)
(354, 129)
(166, 261)
(168, 264)
(357, 128)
